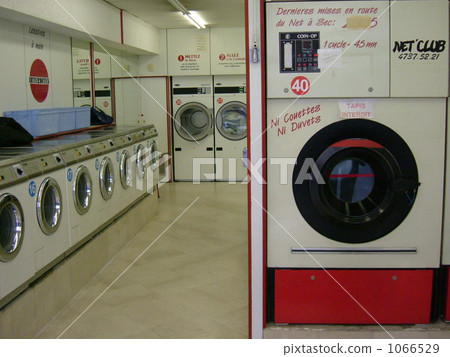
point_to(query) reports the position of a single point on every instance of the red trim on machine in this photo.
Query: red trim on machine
(356, 143)
(379, 296)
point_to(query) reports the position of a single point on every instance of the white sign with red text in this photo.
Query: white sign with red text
(188, 52)
(357, 108)
(228, 50)
(37, 63)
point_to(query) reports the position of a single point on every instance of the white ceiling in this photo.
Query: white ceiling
(159, 13)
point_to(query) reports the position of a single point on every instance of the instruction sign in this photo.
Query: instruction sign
(188, 52)
(228, 51)
(340, 47)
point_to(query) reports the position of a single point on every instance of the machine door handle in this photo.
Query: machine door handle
(177, 149)
(219, 149)
(209, 149)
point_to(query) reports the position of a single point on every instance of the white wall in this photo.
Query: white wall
(60, 64)
(140, 34)
(85, 19)
(12, 70)
(94, 16)
(16, 57)
(155, 65)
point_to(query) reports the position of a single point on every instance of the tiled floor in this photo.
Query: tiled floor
(191, 283)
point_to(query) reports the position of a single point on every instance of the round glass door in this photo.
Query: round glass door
(141, 162)
(231, 120)
(11, 227)
(193, 122)
(106, 178)
(363, 182)
(82, 190)
(49, 206)
(154, 156)
(125, 169)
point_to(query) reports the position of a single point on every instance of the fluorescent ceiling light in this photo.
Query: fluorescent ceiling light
(193, 18)
(177, 5)
(196, 17)
(192, 21)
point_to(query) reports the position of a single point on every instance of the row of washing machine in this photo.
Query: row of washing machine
(56, 194)
(210, 128)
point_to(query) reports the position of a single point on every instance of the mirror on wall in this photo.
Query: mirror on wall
(81, 72)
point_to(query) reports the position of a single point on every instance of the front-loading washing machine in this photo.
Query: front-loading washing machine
(83, 196)
(48, 191)
(124, 191)
(45, 210)
(104, 164)
(16, 246)
(231, 127)
(354, 194)
(145, 160)
(152, 158)
(193, 123)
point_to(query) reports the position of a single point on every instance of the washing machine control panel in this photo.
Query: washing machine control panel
(31, 167)
(69, 156)
(299, 52)
(50, 162)
(98, 148)
(7, 177)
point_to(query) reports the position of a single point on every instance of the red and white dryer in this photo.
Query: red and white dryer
(355, 159)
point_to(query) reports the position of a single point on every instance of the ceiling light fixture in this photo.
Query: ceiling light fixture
(194, 19)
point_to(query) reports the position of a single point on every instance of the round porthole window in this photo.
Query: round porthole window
(368, 184)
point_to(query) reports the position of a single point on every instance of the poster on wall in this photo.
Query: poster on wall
(37, 65)
(228, 51)
(81, 60)
(188, 53)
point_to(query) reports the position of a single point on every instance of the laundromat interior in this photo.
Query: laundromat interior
(210, 169)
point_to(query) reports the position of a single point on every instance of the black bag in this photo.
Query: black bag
(99, 117)
(13, 134)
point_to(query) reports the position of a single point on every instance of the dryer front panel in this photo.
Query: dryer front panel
(355, 193)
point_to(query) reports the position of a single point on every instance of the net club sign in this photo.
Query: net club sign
(39, 80)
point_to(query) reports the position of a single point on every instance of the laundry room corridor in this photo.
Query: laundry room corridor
(190, 281)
